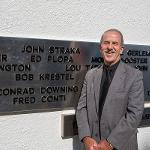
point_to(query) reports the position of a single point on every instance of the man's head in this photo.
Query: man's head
(111, 46)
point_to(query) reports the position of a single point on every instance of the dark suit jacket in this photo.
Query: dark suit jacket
(122, 111)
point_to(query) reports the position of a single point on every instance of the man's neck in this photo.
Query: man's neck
(111, 64)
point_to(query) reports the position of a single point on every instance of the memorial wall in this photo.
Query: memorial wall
(47, 75)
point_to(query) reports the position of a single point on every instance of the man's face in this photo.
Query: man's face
(111, 47)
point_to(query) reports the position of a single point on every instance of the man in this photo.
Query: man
(112, 100)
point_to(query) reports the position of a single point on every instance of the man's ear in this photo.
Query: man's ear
(121, 51)
(100, 47)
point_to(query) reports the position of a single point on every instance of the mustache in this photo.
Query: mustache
(109, 51)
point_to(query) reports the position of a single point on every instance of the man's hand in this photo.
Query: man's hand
(104, 145)
(90, 143)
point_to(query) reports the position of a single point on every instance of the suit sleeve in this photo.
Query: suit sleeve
(128, 124)
(81, 113)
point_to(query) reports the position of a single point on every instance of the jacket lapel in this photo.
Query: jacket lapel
(97, 83)
(118, 78)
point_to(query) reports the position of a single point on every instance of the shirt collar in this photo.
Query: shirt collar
(113, 67)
